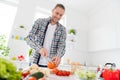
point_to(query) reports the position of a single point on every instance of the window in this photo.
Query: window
(7, 16)
(40, 15)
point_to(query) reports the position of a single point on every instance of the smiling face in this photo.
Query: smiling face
(57, 14)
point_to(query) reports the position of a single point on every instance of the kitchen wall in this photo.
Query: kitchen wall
(78, 21)
(104, 33)
(25, 16)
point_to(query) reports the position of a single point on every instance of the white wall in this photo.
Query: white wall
(105, 56)
(104, 34)
(25, 16)
(78, 21)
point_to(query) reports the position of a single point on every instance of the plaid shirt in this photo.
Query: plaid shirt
(36, 38)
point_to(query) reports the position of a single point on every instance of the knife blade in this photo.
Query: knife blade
(48, 59)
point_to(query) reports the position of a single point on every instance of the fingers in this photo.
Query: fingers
(44, 52)
(57, 63)
(56, 60)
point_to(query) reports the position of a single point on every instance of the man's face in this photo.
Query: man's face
(57, 14)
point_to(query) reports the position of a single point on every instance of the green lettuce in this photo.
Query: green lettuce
(8, 70)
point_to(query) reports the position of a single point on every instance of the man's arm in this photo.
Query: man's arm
(62, 44)
(61, 48)
(30, 39)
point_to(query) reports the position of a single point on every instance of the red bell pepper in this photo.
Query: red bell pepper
(109, 74)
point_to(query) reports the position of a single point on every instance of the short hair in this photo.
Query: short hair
(60, 5)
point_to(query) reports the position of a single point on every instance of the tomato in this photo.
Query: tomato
(32, 78)
(68, 73)
(55, 70)
(25, 73)
(64, 73)
(21, 57)
(51, 65)
(59, 73)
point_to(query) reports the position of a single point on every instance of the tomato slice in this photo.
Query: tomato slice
(64, 73)
(59, 73)
(55, 70)
(68, 73)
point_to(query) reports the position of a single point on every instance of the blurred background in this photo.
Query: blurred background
(93, 28)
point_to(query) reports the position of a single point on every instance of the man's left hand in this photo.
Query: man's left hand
(56, 60)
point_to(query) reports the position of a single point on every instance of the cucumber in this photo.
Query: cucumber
(37, 75)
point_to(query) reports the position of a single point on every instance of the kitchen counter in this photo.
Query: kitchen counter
(71, 77)
(54, 77)
(74, 76)
(63, 67)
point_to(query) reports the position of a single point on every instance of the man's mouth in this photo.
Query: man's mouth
(56, 19)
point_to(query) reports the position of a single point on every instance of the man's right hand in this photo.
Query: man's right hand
(43, 52)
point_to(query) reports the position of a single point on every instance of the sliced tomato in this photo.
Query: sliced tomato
(59, 73)
(68, 73)
(55, 70)
(64, 73)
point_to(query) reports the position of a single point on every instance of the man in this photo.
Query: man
(48, 38)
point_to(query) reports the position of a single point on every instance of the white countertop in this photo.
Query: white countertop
(55, 77)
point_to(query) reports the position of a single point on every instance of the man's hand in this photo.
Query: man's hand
(43, 52)
(56, 60)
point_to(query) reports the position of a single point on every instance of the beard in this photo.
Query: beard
(55, 19)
